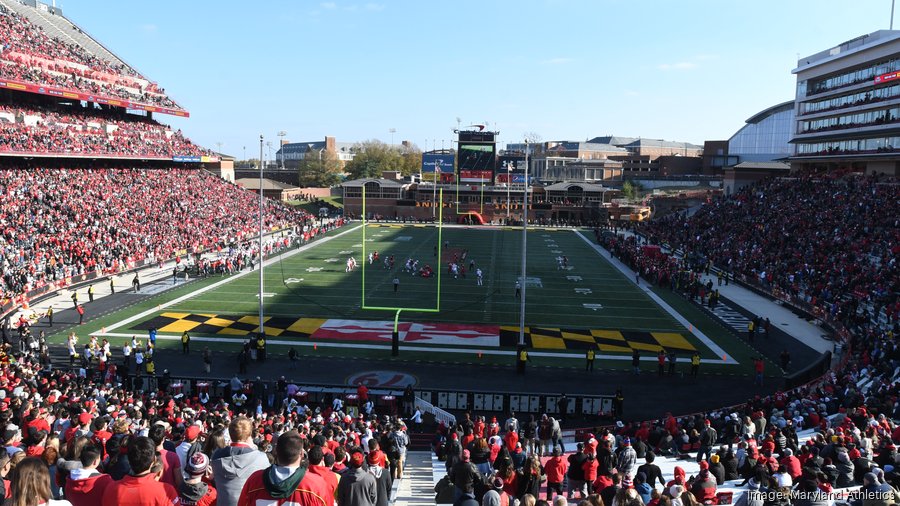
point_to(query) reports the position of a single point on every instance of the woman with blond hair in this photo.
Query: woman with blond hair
(30, 485)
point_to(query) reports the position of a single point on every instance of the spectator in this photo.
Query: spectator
(85, 486)
(31, 485)
(140, 488)
(233, 465)
(193, 491)
(357, 487)
(287, 479)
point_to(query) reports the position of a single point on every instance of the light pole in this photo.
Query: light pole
(281, 146)
(245, 154)
(508, 183)
(392, 131)
(524, 241)
(434, 181)
(261, 285)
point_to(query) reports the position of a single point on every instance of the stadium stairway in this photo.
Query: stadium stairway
(417, 487)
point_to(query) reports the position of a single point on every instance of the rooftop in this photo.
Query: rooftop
(847, 48)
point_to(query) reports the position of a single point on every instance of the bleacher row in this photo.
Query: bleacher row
(79, 131)
(57, 223)
(61, 58)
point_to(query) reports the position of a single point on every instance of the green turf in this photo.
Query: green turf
(333, 293)
(325, 290)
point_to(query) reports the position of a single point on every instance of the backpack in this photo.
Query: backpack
(393, 449)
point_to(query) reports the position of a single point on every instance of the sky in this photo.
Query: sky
(691, 70)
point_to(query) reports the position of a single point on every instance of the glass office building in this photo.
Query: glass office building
(847, 107)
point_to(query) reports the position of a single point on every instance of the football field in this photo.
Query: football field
(576, 299)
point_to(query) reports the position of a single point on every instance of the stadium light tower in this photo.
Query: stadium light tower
(261, 331)
(392, 131)
(281, 146)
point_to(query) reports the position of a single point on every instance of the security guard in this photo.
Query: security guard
(261, 348)
(185, 343)
(521, 359)
(91, 293)
(50, 315)
(590, 355)
(695, 364)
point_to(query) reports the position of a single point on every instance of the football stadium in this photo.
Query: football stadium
(619, 321)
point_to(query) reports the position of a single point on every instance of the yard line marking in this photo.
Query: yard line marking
(271, 260)
(669, 309)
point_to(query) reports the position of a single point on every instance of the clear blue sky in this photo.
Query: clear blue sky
(689, 70)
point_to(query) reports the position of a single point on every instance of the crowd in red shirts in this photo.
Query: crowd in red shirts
(833, 242)
(81, 131)
(56, 223)
(89, 440)
(30, 54)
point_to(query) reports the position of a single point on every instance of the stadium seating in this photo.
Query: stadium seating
(57, 223)
(830, 242)
(83, 132)
(30, 54)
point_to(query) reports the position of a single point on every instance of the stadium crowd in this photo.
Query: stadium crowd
(788, 234)
(29, 54)
(832, 242)
(86, 439)
(83, 133)
(57, 223)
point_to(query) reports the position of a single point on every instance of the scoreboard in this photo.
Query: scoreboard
(477, 156)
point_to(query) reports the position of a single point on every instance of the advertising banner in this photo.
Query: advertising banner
(76, 95)
(890, 76)
(437, 164)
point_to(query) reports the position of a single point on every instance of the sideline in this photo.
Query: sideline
(271, 260)
(726, 359)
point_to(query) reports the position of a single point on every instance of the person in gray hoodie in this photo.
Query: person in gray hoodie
(357, 486)
(233, 464)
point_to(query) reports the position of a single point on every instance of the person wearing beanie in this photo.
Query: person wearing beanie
(287, 480)
(575, 474)
(642, 488)
(790, 464)
(357, 487)
(193, 491)
(716, 469)
(704, 486)
(463, 475)
(627, 460)
(876, 493)
(382, 476)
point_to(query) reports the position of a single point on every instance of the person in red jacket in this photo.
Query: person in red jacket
(85, 486)
(140, 488)
(555, 469)
(316, 456)
(704, 486)
(286, 481)
(590, 469)
(791, 464)
(193, 491)
(510, 440)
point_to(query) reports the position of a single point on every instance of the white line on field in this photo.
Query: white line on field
(273, 259)
(669, 309)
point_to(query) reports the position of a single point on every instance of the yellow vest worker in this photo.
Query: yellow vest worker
(520, 363)
(589, 356)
